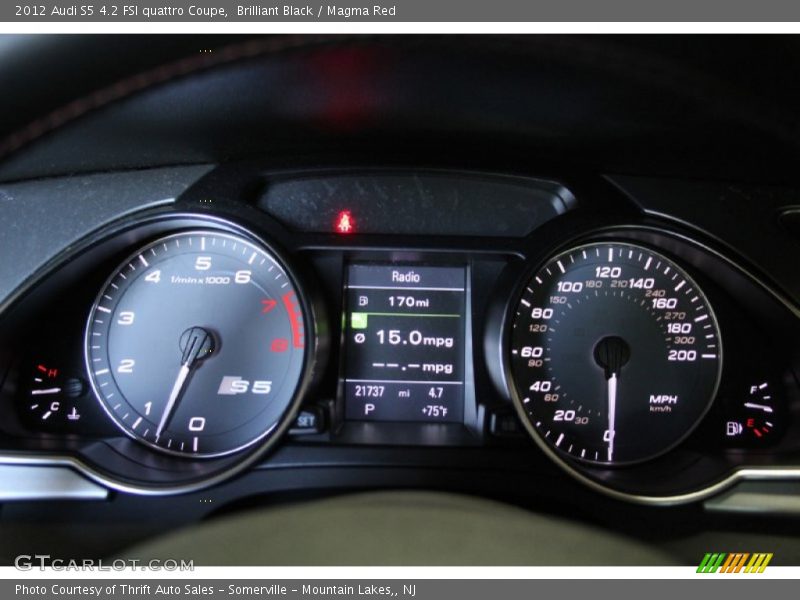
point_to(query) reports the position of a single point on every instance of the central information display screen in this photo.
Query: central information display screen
(405, 343)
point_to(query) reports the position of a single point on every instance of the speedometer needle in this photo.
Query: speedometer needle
(197, 344)
(611, 353)
(612, 410)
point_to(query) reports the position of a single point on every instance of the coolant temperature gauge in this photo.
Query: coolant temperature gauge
(754, 417)
(52, 397)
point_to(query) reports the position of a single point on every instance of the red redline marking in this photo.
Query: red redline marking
(294, 319)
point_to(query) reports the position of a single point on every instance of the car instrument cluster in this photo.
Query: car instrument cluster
(181, 345)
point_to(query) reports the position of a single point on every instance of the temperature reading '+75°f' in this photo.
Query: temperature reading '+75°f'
(405, 343)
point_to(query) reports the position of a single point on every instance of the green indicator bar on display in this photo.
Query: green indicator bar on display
(358, 320)
(390, 314)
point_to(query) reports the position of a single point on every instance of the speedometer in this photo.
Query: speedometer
(615, 353)
(195, 345)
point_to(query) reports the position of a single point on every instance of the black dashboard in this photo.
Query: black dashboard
(179, 341)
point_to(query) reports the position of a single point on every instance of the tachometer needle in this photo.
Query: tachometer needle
(197, 344)
(177, 388)
(612, 413)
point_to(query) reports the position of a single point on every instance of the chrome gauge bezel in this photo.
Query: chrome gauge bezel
(517, 297)
(88, 356)
(126, 465)
(687, 251)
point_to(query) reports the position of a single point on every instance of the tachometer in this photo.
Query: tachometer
(196, 344)
(615, 353)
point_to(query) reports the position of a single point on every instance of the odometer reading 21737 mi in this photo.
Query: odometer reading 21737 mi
(615, 353)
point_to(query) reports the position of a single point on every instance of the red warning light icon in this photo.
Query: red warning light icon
(345, 223)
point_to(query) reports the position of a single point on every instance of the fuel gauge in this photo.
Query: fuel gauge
(755, 417)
